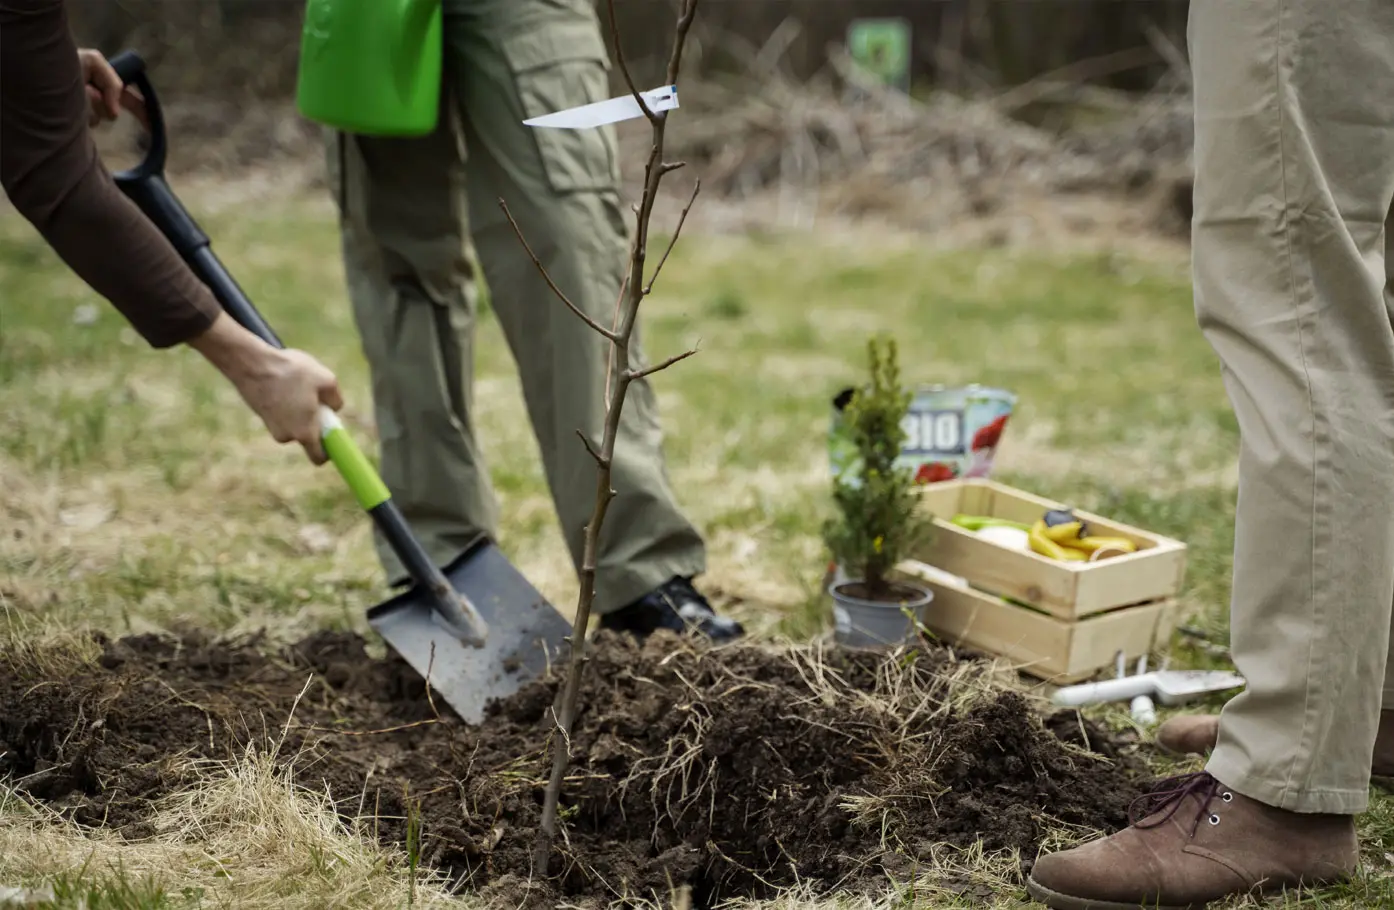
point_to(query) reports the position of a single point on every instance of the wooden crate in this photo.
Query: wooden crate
(1068, 590)
(1056, 650)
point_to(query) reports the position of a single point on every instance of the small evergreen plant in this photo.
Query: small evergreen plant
(878, 518)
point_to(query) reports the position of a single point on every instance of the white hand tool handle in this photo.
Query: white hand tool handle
(1125, 689)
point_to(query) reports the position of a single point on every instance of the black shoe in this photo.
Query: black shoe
(674, 605)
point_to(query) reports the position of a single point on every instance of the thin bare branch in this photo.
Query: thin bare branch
(677, 232)
(648, 371)
(615, 322)
(632, 293)
(658, 367)
(430, 699)
(599, 459)
(624, 65)
(669, 166)
(685, 16)
(548, 278)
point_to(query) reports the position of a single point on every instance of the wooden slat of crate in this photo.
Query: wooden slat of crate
(1049, 648)
(1069, 590)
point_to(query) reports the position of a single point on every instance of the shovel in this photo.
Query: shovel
(475, 631)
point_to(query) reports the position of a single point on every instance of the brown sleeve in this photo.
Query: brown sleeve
(53, 176)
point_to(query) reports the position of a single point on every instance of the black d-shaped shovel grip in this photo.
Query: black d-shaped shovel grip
(131, 68)
(145, 185)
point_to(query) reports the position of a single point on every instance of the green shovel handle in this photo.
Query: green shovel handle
(358, 472)
(453, 609)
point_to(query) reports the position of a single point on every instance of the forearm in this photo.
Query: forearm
(105, 239)
(53, 176)
(234, 351)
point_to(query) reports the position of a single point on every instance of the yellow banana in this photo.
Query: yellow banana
(1065, 533)
(1042, 544)
(1058, 534)
(1092, 544)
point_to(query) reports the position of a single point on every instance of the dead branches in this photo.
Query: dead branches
(619, 375)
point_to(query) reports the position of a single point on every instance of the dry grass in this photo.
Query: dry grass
(245, 835)
(240, 833)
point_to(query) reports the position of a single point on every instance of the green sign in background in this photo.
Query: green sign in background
(881, 47)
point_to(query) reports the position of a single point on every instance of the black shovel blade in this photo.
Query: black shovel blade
(526, 633)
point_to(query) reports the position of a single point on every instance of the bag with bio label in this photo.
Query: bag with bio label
(950, 432)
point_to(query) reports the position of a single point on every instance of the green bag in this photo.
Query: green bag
(371, 66)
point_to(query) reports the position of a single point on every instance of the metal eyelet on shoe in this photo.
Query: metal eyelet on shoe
(1214, 820)
(1227, 797)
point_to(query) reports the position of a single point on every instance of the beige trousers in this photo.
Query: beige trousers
(1294, 156)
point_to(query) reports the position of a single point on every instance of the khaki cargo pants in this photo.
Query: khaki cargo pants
(1294, 154)
(411, 208)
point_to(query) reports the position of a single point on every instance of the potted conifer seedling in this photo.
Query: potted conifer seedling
(879, 518)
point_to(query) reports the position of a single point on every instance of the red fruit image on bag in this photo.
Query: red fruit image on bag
(988, 436)
(935, 472)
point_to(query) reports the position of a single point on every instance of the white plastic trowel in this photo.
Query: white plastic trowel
(1170, 687)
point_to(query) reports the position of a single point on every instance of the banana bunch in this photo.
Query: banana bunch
(1060, 535)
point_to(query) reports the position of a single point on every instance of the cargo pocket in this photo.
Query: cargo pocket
(558, 68)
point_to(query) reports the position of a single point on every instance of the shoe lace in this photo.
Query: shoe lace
(1171, 794)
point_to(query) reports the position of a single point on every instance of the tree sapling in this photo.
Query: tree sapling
(879, 518)
(620, 374)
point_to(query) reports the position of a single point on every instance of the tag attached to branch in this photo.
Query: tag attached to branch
(612, 110)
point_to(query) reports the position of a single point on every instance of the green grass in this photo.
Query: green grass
(1113, 378)
(139, 494)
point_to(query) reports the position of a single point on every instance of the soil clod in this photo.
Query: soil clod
(735, 770)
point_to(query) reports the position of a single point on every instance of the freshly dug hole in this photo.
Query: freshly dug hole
(737, 770)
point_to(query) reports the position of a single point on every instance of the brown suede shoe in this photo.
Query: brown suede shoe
(1199, 842)
(1196, 734)
(1189, 734)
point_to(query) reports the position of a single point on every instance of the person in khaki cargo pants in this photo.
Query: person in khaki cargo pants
(1294, 160)
(406, 208)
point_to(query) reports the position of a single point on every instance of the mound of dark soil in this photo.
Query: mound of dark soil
(735, 770)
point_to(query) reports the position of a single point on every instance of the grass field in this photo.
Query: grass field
(137, 494)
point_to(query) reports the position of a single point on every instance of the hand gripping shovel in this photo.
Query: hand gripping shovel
(476, 631)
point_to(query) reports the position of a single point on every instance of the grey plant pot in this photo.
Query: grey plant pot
(877, 625)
